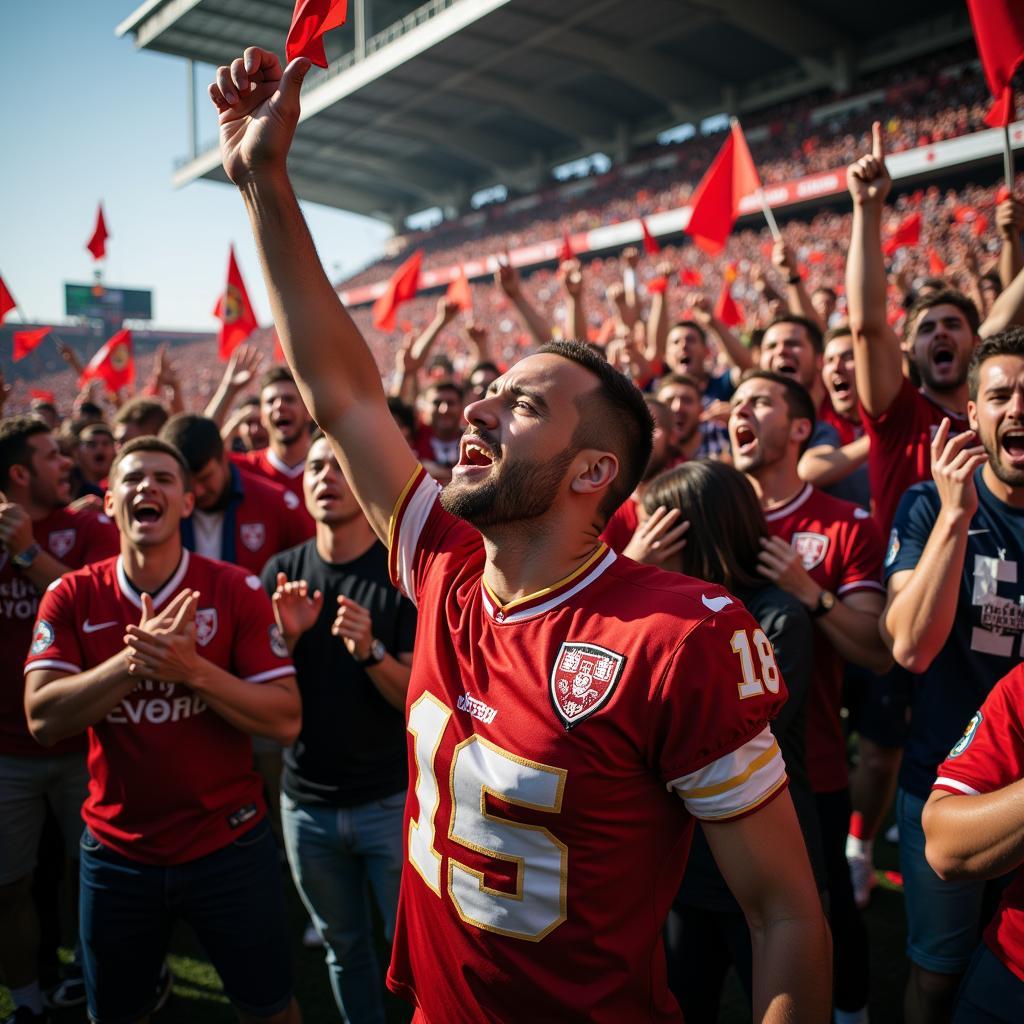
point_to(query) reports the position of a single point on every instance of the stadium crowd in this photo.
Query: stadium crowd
(777, 531)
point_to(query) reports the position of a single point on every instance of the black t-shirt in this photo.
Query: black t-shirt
(352, 747)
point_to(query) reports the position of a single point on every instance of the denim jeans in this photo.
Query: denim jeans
(338, 857)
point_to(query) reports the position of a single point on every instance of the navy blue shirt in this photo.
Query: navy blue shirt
(986, 639)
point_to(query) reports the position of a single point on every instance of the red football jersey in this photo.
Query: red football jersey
(560, 748)
(622, 524)
(989, 756)
(169, 779)
(74, 538)
(268, 465)
(842, 551)
(427, 445)
(847, 430)
(901, 448)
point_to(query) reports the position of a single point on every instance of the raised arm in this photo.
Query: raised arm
(572, 281)
(1007, 310)
(1010, 223)
(878, 358)
(507, 279)
(244, 364)
(797, 299)
(736, 352)
(258, 109)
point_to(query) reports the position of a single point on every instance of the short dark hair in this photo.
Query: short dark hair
(942, 297)
(725, 517)
(445, 384)
(94, 428)
(678, 378)
(149, 443)
(812, 329)
(276, 375)
(691, 323)
(249, 400)
(1006, 343)
(623, 423)
(797, 397)
(485, 365)
(825, 288)
(402, 413)
(842, 330)
(147, 414)
(41, 403)
(14, 447)
(196, 437)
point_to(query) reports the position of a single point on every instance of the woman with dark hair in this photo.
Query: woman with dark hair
(706, 930)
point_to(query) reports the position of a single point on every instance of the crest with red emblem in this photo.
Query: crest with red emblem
(253, 535)
(206, 625)
(811, 548)
(582, 680)
(61, 542)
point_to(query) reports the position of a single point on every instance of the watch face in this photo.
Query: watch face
(827, 600)
(378, 650)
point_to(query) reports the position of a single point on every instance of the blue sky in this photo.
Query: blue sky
(86, 117)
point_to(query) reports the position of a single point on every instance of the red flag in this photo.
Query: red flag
(7, 302)
(278, 351)
(25, 341)
(566, 252)
(97, 244)
(727, 308)
(113, 364)
(714, 205)
(459, 291)
(234, 311)
(1002, 194)
(690, 276)
(41, 395)
(651, 246)
(979, 225)
(404, 284)
(935, 265)
(999, 33)
(908, 232)
(657, 285)
(310, 20)
(964, 214)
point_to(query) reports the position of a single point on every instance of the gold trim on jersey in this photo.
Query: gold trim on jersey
(737, 780)
(599, 552)
(400, 503)
(759, 802)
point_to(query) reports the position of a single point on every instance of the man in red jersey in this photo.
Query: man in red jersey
(170, 661)
(562, 700)
(287, 424)
(41, 539)
(239, 517)
(974, 827)
(828, 554)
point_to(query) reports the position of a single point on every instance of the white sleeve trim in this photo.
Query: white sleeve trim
(413, 517)
(956, 784)
(860, 585)
(735, 783)
(273, 673)
(51, 663)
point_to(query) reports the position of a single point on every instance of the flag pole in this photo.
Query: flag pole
(773, 226)
(1007, 158)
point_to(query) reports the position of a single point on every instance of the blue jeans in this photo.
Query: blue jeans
(334, 852)
(233, 898)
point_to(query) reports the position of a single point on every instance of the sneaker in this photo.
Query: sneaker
(862, 875)
(892, 834)
(23, 1015)
(164, 985)
(311, 937)
(70, 992)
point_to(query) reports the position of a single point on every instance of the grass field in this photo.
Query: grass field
(198, 999)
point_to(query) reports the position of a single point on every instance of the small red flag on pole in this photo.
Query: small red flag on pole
(114, 363)
(7, 302)
(935, 264)
(310, 20)
(404, 284)
(999, 33)
(25, 341)
(459, 291)
(651, 246)
(715, 203)
(97, 245)
(908, 232)
(727, 308)
(566, 252)
(234, 310)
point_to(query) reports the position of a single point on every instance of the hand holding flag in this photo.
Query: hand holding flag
(310, 20)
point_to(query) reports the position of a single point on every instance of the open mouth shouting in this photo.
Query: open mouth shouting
(744, 439)
(943, 355)
(1011, 444)
(476, 456)
(146, 513)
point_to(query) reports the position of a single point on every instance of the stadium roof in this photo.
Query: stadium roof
(423, 105)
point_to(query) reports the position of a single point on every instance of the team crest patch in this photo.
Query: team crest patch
(582, 680)
(291, 500)
(206, 625)
(42, 638)
(253, 535)
(811, 547)
(277, 644)
(61, 542)
(969, 733)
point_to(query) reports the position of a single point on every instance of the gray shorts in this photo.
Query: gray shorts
(26, 784)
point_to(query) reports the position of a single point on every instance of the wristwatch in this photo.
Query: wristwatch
(826, 602)
(794, 279)
(27, 557)
(376, 655)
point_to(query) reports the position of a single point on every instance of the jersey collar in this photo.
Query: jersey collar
(282, 467)
(167, 590)
(550, 597)
(789, 507)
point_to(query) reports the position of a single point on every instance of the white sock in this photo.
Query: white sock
(860, 847)
(30, 996)
(850, 1016)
